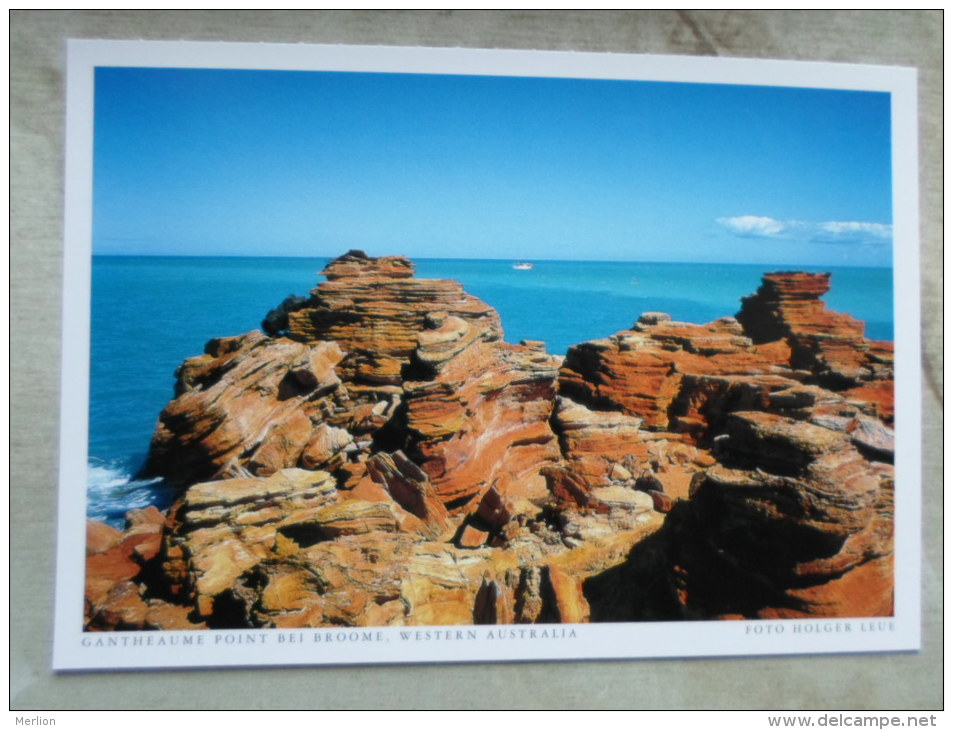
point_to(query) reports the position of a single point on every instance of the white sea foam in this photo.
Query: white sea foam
(111, 492)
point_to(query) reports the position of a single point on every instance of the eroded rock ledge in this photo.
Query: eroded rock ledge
(380, 456)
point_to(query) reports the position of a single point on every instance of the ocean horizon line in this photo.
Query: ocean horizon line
(778, 266)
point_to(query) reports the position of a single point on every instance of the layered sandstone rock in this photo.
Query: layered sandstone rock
(829, 344)
(640, 372)
(118, 566)
(374, 310)
(795, 519)
(482, 421)
(683, 378)
(791, 516)
(382, 457)
(603, 448)
(250, 405)
(292, 550)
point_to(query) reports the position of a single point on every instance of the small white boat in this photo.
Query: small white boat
(522, 266)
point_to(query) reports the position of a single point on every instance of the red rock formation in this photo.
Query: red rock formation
(116, 562)
(249, 405)
(471, 433)
(639, 372)
(686, 379)
(382, 457)
(791, 515)
(829, 344)
(293, 550)
(254, 404)
(409, 487)
(375, 312)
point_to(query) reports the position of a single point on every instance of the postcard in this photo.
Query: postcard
(396, 355)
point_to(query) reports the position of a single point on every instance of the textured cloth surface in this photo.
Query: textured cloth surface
(37, 56)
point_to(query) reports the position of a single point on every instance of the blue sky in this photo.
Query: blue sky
(278, 163)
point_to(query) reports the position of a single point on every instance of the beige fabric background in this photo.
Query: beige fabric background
(880, 681)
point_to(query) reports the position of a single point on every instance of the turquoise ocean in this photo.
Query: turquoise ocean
(151, 313)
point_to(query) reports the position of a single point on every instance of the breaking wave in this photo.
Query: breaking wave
(112, 491)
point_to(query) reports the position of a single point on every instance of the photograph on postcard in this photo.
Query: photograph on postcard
(395, 358)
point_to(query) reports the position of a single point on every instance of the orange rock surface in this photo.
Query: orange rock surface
(375, 311)
(829, 344)
(382, 457)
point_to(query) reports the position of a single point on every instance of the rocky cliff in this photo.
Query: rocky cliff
(378, 455)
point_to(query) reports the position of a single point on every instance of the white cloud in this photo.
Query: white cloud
(849, 232)
(753, 225)
(853, 232)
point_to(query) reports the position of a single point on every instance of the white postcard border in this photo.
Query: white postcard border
(75, 649)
